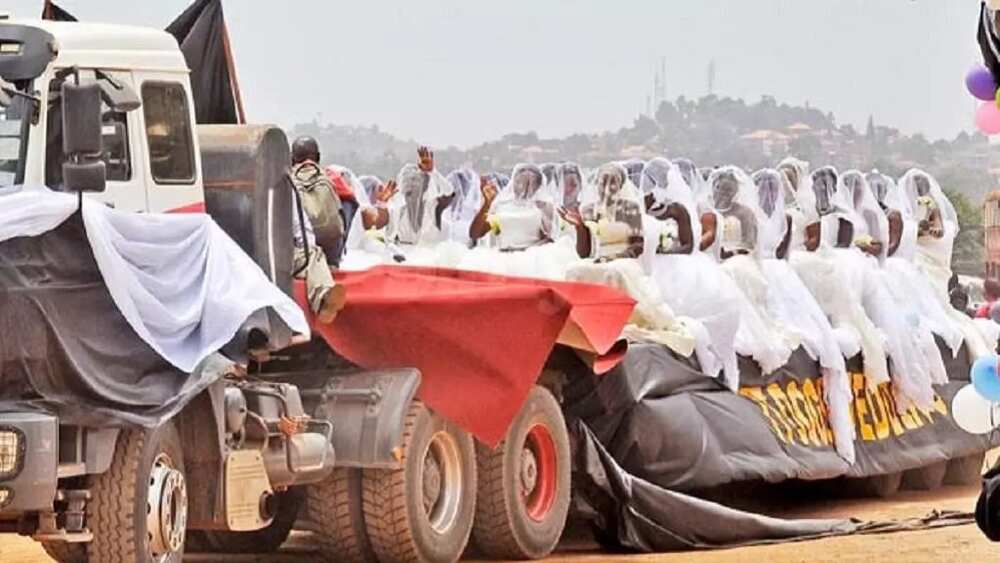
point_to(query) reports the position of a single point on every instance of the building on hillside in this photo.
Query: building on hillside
(768, 142)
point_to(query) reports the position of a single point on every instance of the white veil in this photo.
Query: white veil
(803, 197)
(772, 223)
(666, 182)
(519, 193)
(908, 184)
(859, 196)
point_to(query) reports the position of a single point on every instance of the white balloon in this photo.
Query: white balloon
(973, 413)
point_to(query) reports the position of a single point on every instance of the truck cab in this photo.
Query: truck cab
(151, 154)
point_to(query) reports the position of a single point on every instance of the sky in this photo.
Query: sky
(451, 72)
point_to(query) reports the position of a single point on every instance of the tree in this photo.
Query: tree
(968, 257)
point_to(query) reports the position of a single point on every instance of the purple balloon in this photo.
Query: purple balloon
(981, 84)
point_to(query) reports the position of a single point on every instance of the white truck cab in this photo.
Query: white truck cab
(151, 154)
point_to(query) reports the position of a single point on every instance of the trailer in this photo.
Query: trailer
(381, 460)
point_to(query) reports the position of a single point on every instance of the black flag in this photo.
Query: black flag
(55, 13)
(201, 33)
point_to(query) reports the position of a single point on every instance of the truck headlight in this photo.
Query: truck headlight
(11, 452)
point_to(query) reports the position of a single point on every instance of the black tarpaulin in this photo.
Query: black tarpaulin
(52, 12)
(653, 434)
(66, 349)
(201, 33)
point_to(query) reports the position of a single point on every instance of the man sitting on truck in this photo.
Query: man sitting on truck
(316, 219)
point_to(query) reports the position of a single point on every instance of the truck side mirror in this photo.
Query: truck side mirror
(83, 169)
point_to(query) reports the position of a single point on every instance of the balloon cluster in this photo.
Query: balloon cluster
(976, 407)
(983, 86)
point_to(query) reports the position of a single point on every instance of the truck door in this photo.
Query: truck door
(122, 156)
(173, 168)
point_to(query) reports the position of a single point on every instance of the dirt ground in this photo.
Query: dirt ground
(958, 544)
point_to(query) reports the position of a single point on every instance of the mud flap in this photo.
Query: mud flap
(367, 411)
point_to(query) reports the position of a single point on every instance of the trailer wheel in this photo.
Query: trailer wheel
(138, 507)
(423, 512)
(878, 486)
(65, 552)
(335, 513)
(963, 471)
(524, 484)
(265, 540)
(925, 478)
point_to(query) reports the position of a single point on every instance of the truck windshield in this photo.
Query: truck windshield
(14, 121)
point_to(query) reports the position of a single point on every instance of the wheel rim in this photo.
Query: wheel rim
(538, 472)
(166, 509)
(441, 482)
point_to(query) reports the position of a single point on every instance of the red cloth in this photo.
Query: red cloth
(983, 312)
(480, 341)
(340, 185)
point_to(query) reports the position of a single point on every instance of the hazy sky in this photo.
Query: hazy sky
(462, 72)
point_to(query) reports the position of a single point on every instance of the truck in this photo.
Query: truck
(284, 433)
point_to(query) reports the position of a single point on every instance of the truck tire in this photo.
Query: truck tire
(138, 507)
(335, 514)
(64, 552)
(423, 512)
(524, 484)
(876, 486)
(265, 540)
(964, 471)
(925, 478)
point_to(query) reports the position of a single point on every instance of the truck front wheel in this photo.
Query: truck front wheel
(423, 511)
(138, 508)
(524, 484)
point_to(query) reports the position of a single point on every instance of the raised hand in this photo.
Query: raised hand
(384, 193)
(571, 216)
(489, 191)
(425, 159)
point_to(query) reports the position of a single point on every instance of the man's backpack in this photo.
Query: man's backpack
(320, 203)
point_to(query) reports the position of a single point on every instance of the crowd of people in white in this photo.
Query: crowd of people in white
(721, 262)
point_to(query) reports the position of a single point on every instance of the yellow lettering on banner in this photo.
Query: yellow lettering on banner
(815, 412)
(778, 396)
(756, 395)
(824, 410)
(861, 408)
(886, 392)
(910, 419)
(795, 398)
(879, 414)
(940, 406)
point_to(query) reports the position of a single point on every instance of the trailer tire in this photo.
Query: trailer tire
(147, 467)
(423, 512)
(65, 552)
(335, 514)
(925, 478)
(524, 484)
(964, 471)
(876, 486)
(265, 540)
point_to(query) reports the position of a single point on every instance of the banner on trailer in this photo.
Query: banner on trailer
(776, 428)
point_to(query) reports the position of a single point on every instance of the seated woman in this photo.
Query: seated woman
(790, 301)
(908, 282)
(770, 340)
(460, 213)
(708, 218)
(610, 239)
(569, 178)
(516, 231)
(922, 202)
(415, 219)
(367, 233)
(690, 281)
(915, 359)
(800, 203)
